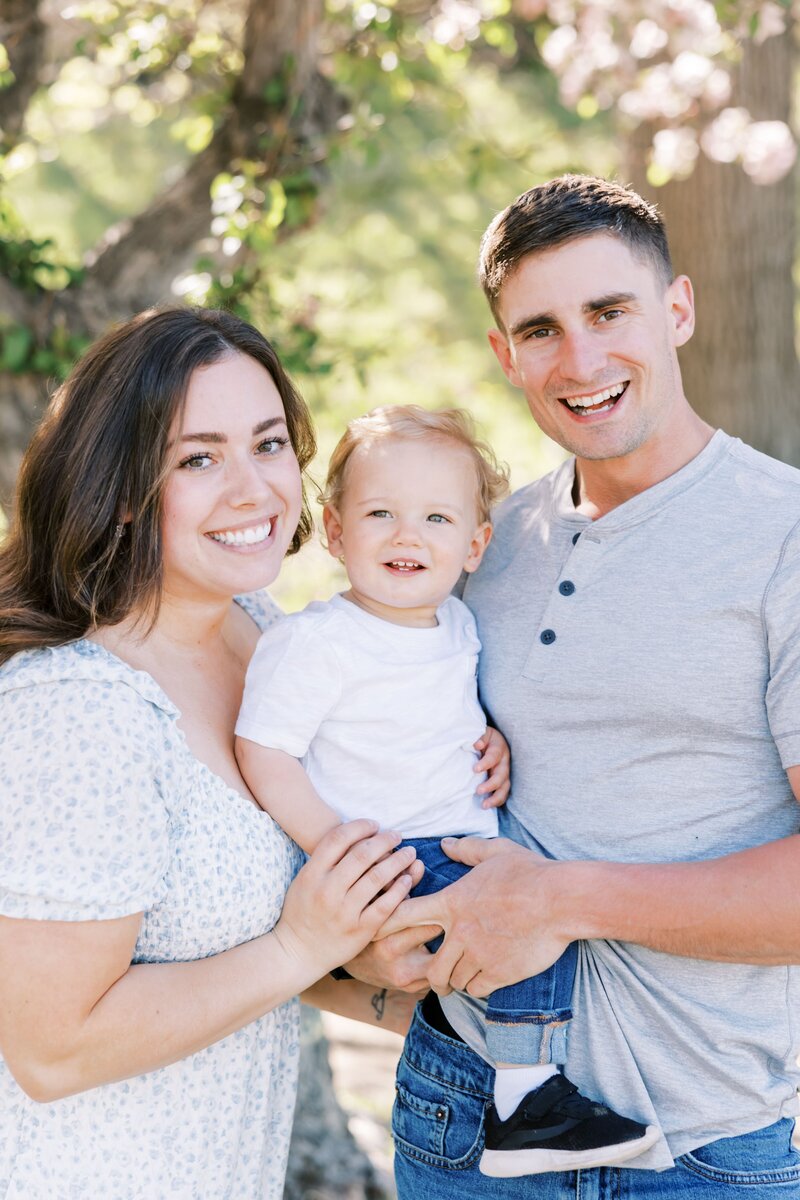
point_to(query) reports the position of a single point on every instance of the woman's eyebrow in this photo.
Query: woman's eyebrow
(217, 438)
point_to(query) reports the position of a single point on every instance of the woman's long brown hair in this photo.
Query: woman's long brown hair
(101, 454)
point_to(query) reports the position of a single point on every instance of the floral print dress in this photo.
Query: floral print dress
(104, 812)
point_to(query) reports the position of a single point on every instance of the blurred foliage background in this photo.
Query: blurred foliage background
(327, 170)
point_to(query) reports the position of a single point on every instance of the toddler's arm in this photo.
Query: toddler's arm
(282, 788)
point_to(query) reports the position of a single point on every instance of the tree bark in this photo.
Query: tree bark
(736, 242)
(324, 1161)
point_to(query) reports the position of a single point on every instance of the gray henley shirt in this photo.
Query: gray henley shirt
(645, 669)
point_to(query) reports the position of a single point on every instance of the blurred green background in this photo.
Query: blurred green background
(345, 169)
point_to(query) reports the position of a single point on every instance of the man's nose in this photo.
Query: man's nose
(582, 356)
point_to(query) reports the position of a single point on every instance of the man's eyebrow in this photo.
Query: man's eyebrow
(589, 306)
(608, 301)
(545, 318)
(218, 438)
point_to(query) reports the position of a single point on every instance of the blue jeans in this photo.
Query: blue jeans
(525, 1022)
(442, 1091)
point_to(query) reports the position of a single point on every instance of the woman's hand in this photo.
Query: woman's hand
(495, 760)
(348, 888)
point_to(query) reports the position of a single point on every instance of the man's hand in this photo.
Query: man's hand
(499, 920)
(399, 960)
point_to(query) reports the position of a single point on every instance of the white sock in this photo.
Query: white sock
(512, 1084)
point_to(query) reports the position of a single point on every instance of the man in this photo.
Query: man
(639, 611)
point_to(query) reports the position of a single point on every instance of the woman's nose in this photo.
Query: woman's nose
(248, 483)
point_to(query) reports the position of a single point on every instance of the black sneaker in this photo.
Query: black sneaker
(555, 1128)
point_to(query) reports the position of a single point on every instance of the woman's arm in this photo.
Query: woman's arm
(385, 1008)
(75, 1014)
(282, 788)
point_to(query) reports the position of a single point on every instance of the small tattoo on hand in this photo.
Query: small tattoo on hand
(379, 1004)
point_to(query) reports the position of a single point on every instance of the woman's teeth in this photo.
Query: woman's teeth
(243, 537)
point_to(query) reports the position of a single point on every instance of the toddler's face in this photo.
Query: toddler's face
(407, 526)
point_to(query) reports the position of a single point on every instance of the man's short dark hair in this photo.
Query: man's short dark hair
(566, 208)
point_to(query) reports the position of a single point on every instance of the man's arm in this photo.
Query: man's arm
(513, 915)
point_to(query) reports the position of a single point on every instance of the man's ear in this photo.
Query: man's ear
(333, 530)
(680, 300)
(502, 348)
(477, 547)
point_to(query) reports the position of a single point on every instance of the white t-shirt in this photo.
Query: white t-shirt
(384, 717)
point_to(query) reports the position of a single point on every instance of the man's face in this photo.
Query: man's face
(590, 334)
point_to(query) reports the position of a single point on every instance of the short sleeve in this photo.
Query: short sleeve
(293, 683)
(83, 824)
(782, 619)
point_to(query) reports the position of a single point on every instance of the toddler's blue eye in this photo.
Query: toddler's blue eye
(439, 519)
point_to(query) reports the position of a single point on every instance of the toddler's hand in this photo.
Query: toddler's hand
(496, 761)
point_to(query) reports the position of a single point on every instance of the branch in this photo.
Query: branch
(22, 32)
(138, 259)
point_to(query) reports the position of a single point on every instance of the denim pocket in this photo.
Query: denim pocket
(762, 1158)
(434, 1123)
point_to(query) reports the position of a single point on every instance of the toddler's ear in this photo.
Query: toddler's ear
(333, 530)
(480, 540)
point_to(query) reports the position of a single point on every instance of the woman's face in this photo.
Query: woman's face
(233, 499)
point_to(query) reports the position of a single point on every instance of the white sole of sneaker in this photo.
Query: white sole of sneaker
(509, 1164)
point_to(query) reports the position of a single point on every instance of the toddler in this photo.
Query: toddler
(367, 705)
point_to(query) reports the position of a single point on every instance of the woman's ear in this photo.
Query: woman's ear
(333, 530)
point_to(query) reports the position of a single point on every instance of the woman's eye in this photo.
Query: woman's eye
(272, 445)
(439, 519)
(195, 462)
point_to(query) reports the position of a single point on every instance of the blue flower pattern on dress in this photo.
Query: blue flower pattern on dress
(105, 812)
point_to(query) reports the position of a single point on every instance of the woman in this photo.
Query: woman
(149, 948)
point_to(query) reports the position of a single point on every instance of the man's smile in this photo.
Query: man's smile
(595, 402)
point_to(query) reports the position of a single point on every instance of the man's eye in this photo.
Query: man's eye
(539, 334)
(195, 462)
(439, 518)
(610, 314)
(272, 445)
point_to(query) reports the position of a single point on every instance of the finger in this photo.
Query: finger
(490, 759)
(498, 798)
(384, 905)
(363, 854)
(482, 742)
(441, 968)
(474, 850)
(497, 778)
(380, 876)
(479, 986)
(420, 910)
(464, 972)
(339, 841)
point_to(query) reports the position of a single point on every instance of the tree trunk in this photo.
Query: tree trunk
(736, 241)
(324, 1161)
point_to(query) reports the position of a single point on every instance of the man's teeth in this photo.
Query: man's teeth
(243, 537)
(598, 402)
